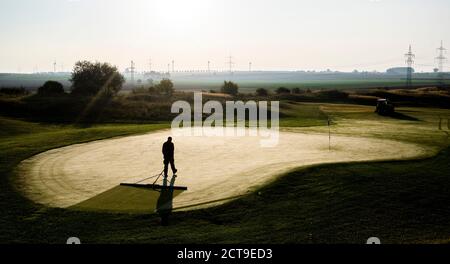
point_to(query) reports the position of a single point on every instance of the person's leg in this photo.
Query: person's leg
(166, 168)
(172, 166)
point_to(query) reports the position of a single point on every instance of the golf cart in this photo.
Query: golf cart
(384, 107)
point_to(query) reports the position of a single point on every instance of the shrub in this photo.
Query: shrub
(229, 88)
(14, 91)
(297, 91)
(262, 92)
(165, 87)
(93, 78)
(333, 94)
(139, 90)
(152, 90)
(51, 88)
(283, 90)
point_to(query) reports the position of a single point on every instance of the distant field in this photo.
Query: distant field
(248, 81)
(250, 86)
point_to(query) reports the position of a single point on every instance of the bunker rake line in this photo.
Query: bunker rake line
(154, 186)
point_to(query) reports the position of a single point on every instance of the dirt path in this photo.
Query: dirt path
(213, 168)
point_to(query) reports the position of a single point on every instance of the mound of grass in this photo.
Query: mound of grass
(16, 127)
(301, 115)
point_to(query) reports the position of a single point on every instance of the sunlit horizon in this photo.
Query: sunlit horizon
(284, 35)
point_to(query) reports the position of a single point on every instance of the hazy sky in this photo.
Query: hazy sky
(272, 34)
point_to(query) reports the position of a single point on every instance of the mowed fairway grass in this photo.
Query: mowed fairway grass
(399, 201)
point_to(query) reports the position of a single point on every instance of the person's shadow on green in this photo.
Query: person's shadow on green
(164, 204)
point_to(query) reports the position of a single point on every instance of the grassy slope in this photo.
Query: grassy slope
(397, 201)
(301, 115)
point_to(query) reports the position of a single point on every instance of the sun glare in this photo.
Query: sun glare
(174, 12)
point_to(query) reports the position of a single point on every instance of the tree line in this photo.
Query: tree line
(103, 79)
(97, 79)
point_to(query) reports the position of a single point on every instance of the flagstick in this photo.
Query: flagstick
(329, 135)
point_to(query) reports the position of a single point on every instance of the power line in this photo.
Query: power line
(230, 64)
(441, 59)
(132, 68)
(409, 62)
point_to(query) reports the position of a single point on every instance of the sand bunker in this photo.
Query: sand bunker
(213, 168)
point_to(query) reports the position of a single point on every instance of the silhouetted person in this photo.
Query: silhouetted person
(167, 150)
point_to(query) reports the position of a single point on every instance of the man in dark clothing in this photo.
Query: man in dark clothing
(167, 150)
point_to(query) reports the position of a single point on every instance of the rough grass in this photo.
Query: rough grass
(17, 127)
